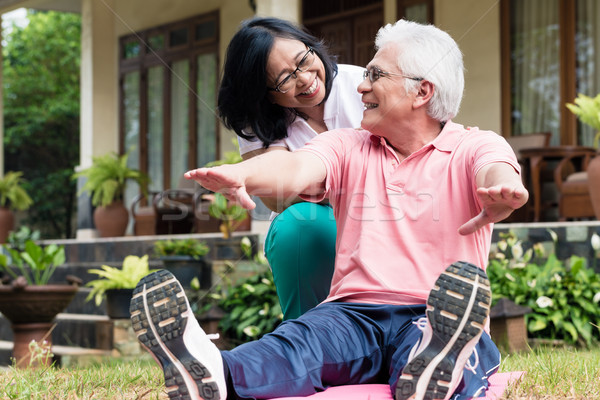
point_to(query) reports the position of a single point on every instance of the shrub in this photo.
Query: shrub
(564, 297)
(181, 247)
(251, 307)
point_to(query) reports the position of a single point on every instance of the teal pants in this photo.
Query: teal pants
(300, 248)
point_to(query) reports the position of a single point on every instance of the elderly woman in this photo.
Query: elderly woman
(280, 88)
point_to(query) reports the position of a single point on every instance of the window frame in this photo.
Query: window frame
(402, 5)
(567, 78)
(167, 56)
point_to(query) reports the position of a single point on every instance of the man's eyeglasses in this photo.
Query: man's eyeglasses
(375, 73)
(288, 83)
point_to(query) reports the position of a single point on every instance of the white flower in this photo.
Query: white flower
(520, 265)
(251, 330)
(500, 256)
(517, 251)
(595, 242)
(261, 259)
(544, 302)
(502, 245)
(556, 278)
(539, 250)
(509, 277)
(597, 298)
(246, 241)
(553, 235)
(532, 283)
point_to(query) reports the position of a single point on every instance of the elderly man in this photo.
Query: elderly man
(412, 192)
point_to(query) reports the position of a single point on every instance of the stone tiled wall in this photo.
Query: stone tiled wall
(573, 238)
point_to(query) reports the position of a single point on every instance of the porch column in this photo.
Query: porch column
(1, 107)
(99, 95)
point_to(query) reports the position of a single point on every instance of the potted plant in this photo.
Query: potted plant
(587, 109)
(27, 298)
(185, 259)
(116, 285)
(232, 216)
(106, 182)
(12, 197)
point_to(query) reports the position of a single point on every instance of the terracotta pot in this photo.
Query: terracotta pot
(111, 220)
(23, 335)
(593, 171)
(31, 311)
(7, 223)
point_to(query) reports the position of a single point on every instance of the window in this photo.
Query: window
(550, 52)
(420, 11)
(168, 84)
(347, 26)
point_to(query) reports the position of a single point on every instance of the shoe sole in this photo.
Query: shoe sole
(457, 309)
(159, 314)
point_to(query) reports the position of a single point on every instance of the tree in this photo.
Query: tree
(41, 115)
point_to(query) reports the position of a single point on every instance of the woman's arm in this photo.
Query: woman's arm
(276, 174)
(274, 204)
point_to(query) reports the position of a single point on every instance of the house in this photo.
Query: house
(150, 68)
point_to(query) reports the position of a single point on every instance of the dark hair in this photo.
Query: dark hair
(242, 101)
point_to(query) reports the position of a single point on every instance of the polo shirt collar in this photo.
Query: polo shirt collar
(446, 141)
(449, 137)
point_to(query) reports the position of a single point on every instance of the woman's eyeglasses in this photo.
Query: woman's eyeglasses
(288, 83)
(375, 73)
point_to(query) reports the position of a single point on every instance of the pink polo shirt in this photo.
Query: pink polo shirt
(397, 222)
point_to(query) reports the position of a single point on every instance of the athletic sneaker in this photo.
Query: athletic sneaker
(457, 309)
(165, 325)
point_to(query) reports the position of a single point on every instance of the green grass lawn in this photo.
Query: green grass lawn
(110, 380)
(551, 373)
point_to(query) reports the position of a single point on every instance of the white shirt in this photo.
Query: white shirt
(343, 109)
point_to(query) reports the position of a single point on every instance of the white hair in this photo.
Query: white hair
(428, 52)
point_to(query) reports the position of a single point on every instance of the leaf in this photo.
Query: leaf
(567, 326)
(556, 318)
(536, 324)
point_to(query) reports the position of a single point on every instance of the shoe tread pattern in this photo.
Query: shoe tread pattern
(444, 328)
(159, 286)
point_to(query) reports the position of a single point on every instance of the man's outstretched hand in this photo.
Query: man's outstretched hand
(498, 203)
(226, 180)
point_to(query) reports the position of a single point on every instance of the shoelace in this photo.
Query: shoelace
(421, 323)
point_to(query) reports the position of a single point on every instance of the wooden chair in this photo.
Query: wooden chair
(540, 139)
(530, 140)
(163, 212)
(144, 216)
(173, 211)
(177, 211)
(571, 178)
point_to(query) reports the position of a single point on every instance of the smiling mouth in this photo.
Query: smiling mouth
(311, 89)
(370, 106)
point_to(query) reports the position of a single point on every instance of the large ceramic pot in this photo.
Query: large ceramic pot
(593, 171)
(7, 223)
(31, 310)
(111, 220)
